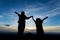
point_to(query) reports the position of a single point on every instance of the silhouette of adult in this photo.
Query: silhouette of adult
(39, 27)
(21, 22)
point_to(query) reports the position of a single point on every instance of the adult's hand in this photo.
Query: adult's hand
(31, 16)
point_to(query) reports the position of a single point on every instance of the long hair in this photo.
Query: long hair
(38, 20)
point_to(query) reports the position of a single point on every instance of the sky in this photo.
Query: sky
(35, 8)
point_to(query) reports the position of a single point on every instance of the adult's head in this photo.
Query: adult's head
(22, 13)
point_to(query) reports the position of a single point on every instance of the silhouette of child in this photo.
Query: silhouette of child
(39, 27)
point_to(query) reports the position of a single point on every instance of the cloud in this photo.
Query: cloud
(30, 11)
(49, 9)
(1, 16)
(50, 2)
(53, 12)
(53, 29)
(11, 16)
(30, 29)
(50, 29)
(35, 7)
(4, 28)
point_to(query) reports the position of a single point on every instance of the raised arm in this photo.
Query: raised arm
(17, 13)
(33, 19)
(45, 18)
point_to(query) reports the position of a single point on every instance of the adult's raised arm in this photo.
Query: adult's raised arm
(17, 13)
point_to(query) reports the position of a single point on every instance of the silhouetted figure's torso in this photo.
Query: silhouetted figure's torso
(21, 23)
(39, 27)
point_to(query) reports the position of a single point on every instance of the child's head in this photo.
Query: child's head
(38, 19)
(22, 13)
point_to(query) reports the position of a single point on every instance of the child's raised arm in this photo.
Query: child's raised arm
(33, 19)
(45, 18)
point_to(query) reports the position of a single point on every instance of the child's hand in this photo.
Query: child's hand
(47, 17)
